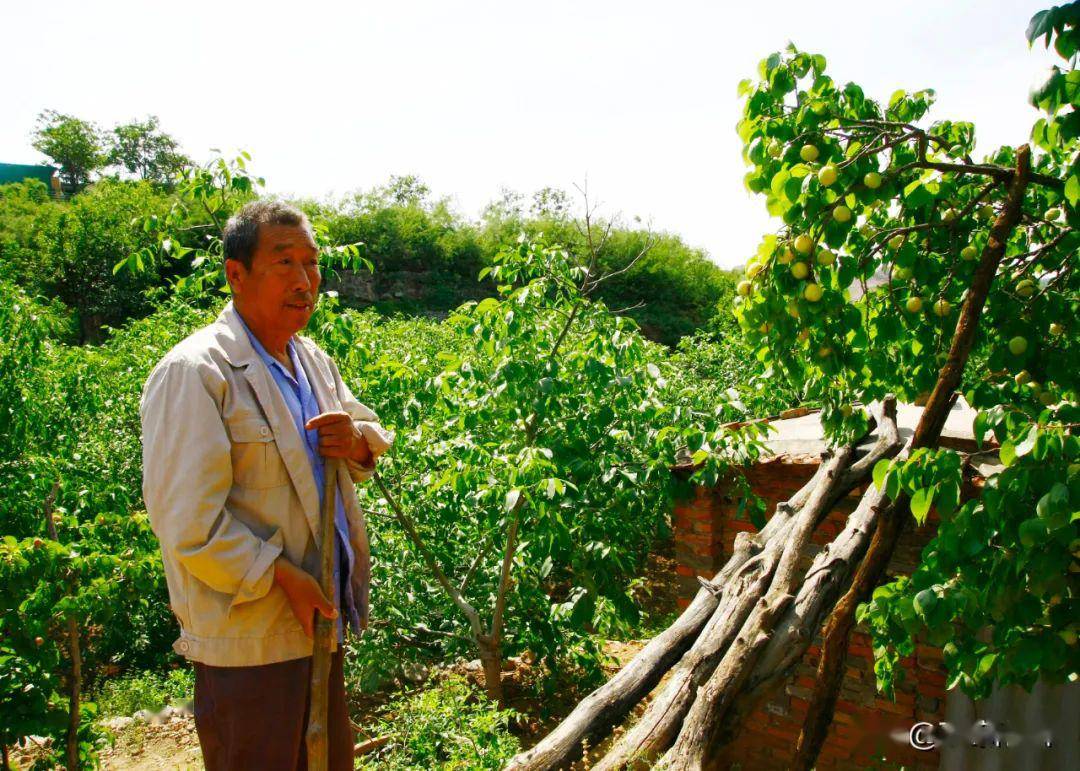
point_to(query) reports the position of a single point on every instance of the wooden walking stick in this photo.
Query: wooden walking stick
(316, 737)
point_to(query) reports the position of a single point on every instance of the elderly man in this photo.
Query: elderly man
(237, 420)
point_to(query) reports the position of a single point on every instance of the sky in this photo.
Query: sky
(638, 99)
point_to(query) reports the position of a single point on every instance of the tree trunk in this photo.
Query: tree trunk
(491, 660)
(75, 696)
(927, 433)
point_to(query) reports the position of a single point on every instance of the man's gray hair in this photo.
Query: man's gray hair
(241, 234)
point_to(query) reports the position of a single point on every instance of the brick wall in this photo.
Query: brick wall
(704, 527)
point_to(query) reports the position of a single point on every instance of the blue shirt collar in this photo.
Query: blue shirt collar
(269, 360)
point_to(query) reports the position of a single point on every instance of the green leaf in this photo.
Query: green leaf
(892, 485)
(1028, 443)
(979, 427)
(881, 468)
(1072, 190)
(921, 502)
(986, 663)
(947, 498)
(1032, 532)
(1007, 453)
(1053, 503)
(1038, 26)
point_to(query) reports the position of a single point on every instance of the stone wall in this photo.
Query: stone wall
(705, 526)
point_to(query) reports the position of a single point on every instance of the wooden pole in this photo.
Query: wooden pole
(316, 737)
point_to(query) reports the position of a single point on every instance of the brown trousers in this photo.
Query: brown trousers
(254, 718)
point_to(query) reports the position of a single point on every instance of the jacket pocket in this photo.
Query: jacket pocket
(256, 462)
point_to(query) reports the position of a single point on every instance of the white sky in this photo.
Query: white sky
(474, 96)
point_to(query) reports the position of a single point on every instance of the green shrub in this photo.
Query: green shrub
(447, 725)
(144, 690)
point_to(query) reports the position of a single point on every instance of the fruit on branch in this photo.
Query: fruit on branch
(813, 292)
(824, 352)
(803, 244)
(1018, 346)
(804, 335)
(1052, 213)
(785, 255)
(1057, 329)
(826, 257)
(743, 288)
(896, 242)
(913, 304)
(985, 212)
(1022, 377)
(774, 148)
(808, 153)
(969, 253)
(903, 274)
(828, 174)
(846, 410)
(793, 309)
(1026, 288)
(39, 641)
(753, 269)
(800, 270)
(942, 308)
(949, 215)
(872, 180)
(841, 213)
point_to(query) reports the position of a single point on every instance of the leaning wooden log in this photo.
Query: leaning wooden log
(739, 658)
(594, 715)
(658, 727)
(829, 574)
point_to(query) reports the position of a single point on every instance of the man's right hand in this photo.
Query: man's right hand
(305, 596)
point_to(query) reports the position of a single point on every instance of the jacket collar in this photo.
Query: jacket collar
(235, 341)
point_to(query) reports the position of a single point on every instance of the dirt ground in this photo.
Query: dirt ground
(174, 744)
(142, 747)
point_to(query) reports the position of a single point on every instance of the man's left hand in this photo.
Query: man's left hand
(340, 438)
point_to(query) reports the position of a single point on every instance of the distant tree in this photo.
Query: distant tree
(143, 149)
(407, 190)
(75, 145)
(551, 203)
(506, 208)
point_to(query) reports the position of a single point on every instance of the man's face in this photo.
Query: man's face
(277, 295)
